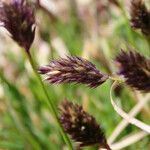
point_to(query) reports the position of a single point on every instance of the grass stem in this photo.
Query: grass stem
(49, 101)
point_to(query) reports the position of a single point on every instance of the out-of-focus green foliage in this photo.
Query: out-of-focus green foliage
(25, 122)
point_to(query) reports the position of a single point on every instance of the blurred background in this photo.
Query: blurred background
(93, 29)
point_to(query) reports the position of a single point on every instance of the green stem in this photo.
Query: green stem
(119, 79)
(49, 102)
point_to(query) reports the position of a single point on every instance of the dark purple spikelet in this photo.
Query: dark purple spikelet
(81, 126)
(115, 2)
(17, 16)
(136, 70)
(140, 17)
(73, 70)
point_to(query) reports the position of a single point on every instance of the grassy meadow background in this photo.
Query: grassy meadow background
(95, 30)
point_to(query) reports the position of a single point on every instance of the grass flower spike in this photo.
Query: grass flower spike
(17, 16)
(136, 69)
(115, 2)
(73, 70)
(81, 126)
(140, 17)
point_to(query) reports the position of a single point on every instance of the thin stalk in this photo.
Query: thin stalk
(119, 79)
(49, 102)
(126, 116)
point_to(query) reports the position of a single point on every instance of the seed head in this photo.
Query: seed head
(81, 126)
(136, 70)
(17, 16)
(73, 70)
(115, 2)
(140, 17)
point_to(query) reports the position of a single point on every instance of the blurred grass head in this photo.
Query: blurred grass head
(81, 126)
(135, 68)
(29, 118)
(17, 16)
(140, 17)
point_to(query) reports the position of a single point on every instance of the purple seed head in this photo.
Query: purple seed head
(17, 16)
(140, 17)
(136, 69)
(73, 70)
(81, 126)
(115, 2)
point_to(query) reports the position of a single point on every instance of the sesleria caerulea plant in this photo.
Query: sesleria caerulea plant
(132, 66)
(18, 17)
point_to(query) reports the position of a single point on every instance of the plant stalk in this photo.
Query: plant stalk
(49, 102)
(117, 78)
